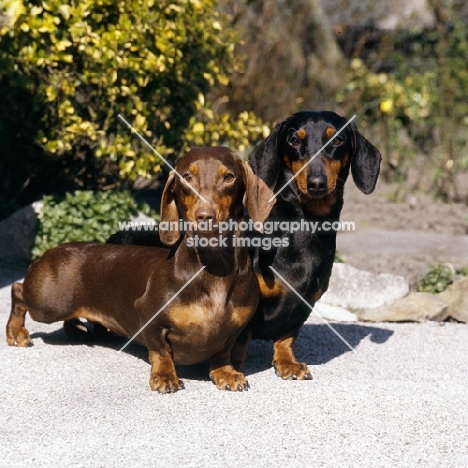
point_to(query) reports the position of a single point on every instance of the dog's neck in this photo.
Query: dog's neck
(221, 258)
(324, 207)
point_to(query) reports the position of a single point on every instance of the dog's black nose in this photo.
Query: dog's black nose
(205, 214)
(317, 184)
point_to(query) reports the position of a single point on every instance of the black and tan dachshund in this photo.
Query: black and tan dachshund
(122, 287)
(316, 194)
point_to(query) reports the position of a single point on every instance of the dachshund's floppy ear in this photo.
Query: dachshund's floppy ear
(169, 213)
(264, 159)
(365, 163)
(257, 195)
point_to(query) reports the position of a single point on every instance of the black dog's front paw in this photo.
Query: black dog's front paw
(292, 370)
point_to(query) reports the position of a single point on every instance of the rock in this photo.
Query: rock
(17, 234)
(356, 289)
(456, 296)
(416, 307)
(328, 312)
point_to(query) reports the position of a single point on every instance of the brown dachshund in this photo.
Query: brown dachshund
(122, 287)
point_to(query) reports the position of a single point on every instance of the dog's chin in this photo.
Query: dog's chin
(317, 195)
(208, 234)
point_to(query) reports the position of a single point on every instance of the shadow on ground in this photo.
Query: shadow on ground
(10, 274)
(316, 345)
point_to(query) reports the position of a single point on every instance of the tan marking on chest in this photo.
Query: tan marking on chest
(198, 316)
(270, 288)
(321, 206)
(241, 316)
(316, 296)
(189, 315)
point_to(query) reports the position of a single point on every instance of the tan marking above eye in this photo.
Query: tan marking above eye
(301, 133)
(193, 169)
(330, 131)
(222, 170)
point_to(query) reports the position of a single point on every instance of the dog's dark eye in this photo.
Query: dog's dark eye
(229, 178)
(187, 176)
(337, 141)
(294, 141)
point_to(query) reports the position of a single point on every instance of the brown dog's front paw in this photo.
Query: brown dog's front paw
(20, 338)
(292, 370)
(165, 383)
(226, 378)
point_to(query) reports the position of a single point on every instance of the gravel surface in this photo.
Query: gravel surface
(399, 400)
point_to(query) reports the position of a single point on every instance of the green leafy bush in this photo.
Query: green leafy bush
(416, 103)
(436, 279)
(74, 66)
(84, 216)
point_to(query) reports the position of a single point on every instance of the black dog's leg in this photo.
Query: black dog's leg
(284, 360)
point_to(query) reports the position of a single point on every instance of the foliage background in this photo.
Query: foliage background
(399, 65)
(84, 216)
(68, 69)
(192, 72)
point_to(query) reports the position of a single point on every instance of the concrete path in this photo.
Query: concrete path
(400, 399)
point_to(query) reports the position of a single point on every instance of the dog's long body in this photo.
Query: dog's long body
(122, 287)
(315, 195)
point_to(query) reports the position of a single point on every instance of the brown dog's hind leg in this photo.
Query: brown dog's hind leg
(223, 374)
(285, 363)
(84, 332)
(16, 332)
(76, 329)
(163, 377)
